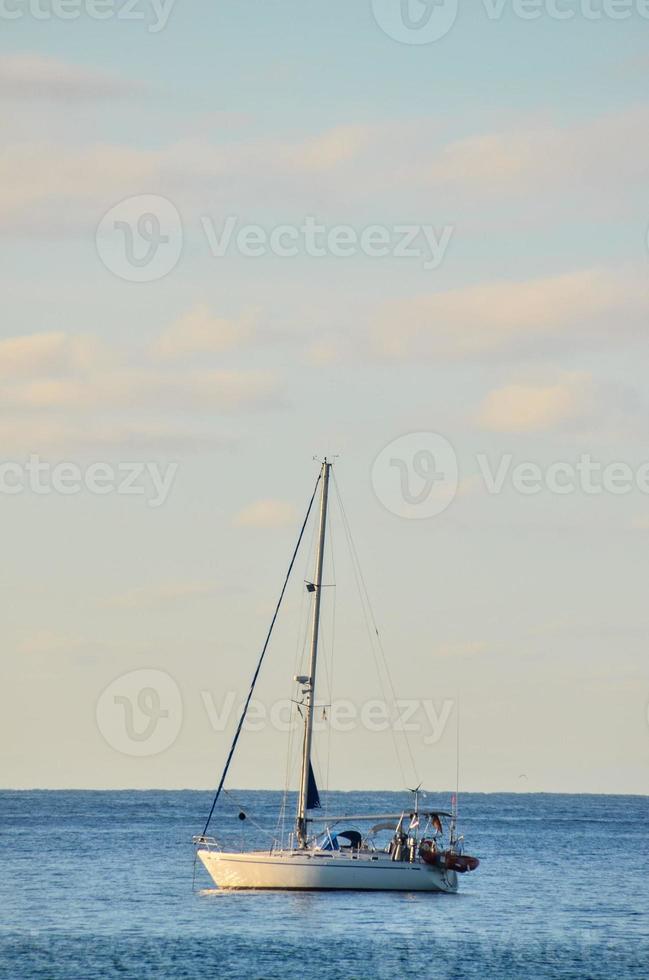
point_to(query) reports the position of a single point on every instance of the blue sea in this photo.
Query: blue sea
(100, 885)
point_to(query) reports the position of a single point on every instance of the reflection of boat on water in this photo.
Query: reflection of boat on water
(338, 852)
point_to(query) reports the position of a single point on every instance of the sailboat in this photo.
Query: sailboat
(331, 852)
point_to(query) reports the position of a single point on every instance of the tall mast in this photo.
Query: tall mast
(310, 687)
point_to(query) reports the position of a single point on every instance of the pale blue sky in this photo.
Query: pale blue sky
(530, 140)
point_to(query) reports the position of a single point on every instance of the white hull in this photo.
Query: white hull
(315, 870)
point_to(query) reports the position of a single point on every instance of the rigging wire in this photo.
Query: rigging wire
(300, 655)
(368, 611)
(370, 631)
(244, 809)
(330, 670)
(457, 764)
(261, 659)
(303, 619)
(281, 816)
(326, 719)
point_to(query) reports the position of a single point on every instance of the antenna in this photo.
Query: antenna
(457, 768)
(416, 792)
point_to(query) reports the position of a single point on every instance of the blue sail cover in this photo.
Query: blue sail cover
(312, 796)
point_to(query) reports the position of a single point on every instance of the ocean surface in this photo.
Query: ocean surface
(99, 885)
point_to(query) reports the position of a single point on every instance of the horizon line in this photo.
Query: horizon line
(193, 789)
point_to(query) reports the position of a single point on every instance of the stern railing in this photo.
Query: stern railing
(210, 843)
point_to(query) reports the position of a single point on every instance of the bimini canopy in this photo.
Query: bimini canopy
(359, 817)
(384, 825)
(346, 838)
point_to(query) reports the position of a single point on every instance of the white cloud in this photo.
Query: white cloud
(324, 353)
(266, 514)
(547, 166)
(48, 188)
(63, 391)
(48, 653)
(537, 407)
(47, 354)
(502, 315)
(202, 332)
(197, 390)
(154, 596)
(45, 641)
(78, 433)
(469, 648)
(29, 75)
(608, 149)
(329, 150)
(73, 186)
